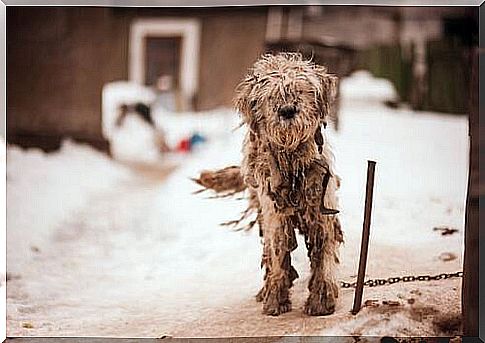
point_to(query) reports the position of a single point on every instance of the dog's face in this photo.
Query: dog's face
(285, 99)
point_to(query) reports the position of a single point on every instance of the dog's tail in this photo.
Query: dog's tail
(227, 182)
(224, 182)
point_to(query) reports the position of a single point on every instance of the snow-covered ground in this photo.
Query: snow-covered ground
(96, 248)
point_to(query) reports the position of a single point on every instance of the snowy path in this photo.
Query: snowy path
(97, 266)
(97, 249)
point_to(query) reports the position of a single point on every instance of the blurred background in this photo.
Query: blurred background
(59, 59)
(111, 111)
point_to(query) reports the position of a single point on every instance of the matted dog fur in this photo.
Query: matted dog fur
(287, 169)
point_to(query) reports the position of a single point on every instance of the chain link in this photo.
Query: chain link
(409, 278)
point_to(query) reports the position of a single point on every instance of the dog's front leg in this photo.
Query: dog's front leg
(322, 250)
(279, 240)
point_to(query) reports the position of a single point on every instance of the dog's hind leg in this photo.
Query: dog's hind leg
(322, 245)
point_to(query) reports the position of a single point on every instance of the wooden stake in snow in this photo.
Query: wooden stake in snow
(371, 166)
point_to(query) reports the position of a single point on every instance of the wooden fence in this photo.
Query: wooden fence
(446, 80)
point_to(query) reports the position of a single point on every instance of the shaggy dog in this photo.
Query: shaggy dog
(288, 170)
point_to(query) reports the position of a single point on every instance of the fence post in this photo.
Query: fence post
(371, 165)
(470, 284)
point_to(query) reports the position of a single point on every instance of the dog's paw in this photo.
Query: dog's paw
(318, 306)
(276, 301)
(322, 302)
(275, 309)
(261, 294)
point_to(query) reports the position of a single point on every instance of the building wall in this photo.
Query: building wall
(59, 58)
(353, 26)
(230, 44)
(57, 62)
(232, 38)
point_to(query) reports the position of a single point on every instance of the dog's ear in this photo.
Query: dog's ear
(244, 102)
(328, 92)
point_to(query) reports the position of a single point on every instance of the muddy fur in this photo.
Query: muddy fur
(226, 181)
(287, 169)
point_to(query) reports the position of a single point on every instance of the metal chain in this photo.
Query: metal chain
(410, 278)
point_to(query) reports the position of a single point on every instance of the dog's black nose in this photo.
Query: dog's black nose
(287, 111)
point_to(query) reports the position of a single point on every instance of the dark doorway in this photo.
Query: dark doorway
(162, 59)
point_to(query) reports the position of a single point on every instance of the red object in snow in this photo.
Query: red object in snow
(184, 145)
